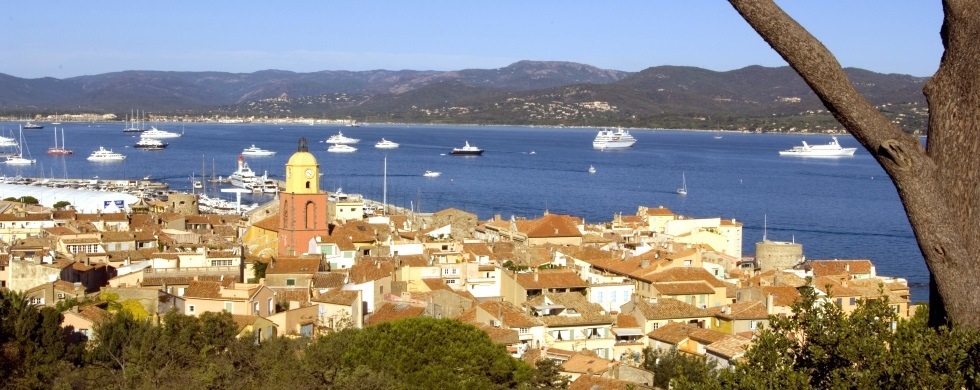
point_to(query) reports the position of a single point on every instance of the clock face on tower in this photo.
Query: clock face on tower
(309, 173)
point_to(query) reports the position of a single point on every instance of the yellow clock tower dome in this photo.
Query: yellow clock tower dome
(302, 207)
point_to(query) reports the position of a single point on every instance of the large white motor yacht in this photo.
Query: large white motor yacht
(104, 154)
(341, 148)
(385, 144)
(340, 138)
(608, 139)
(150, 144)
(244, 177)
(154, 132)
(257, 152)
(831, 149)
(467, 150)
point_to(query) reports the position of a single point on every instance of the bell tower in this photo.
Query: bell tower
(302, 207)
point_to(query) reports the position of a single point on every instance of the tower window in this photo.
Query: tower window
(307, 185)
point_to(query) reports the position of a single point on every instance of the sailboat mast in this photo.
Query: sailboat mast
(384, 196)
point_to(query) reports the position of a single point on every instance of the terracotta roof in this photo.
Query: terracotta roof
(329, 280)
(782, 295)
(294, 265)
(270, 223)
(117, 237)
(660, 211)
(729, 347)
(413, 260)
(683, 288)
(673, 332)
(838, 267)
(553, 225)
(436, 284)
(202, 289)
(389, 312)
(745, 310)
(60, 231)
(626, 321)
(585, 364)
(478, 249)
(551, 279)
(511, 316)
(182, 280)
(337, 297)
(669, 309)
(586, 313)
(93, 313)
(302, 296)
(370, 269)
(686, 274)
(776, 278)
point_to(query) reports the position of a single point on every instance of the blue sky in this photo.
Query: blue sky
(71, 38)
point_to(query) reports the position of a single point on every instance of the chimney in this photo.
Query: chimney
(535, 276)
(645, 263)
(769, 303)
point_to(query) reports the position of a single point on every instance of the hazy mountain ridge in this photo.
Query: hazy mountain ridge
(526, 92)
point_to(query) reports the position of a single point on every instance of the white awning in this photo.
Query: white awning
(627, 331)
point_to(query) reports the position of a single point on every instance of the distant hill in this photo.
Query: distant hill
(526, 92)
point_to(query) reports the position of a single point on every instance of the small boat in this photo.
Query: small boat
(104, 154)
(431, 174)
(341, 148)
(33, 126)
(385, 144)
(340, 139)
(7, 141)
(831, 149)
(591, 169)
(154, 132)
(59, 150)
(150, 144)
(608, 139)
(533, 152)
(467, 150)
(683, 189)
(257, 152)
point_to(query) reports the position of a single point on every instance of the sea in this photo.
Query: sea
(837, 208)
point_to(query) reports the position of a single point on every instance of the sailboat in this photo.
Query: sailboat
(591, 169)
(19, 159)
(683, 189)
(59, 150)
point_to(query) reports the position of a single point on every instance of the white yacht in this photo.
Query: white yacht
(831, 149)
(431, 174)
(150, 144)
(257, 152)
(467, 150)
(608, 139)
(385, 144)
(244, 177)
(7, 141)
(19, 159)
(341, 148)
(154, 132)
(340, 139)
(104, 154)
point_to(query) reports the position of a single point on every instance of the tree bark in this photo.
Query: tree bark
(939, 186)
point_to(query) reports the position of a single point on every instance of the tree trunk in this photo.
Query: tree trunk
(939, 186)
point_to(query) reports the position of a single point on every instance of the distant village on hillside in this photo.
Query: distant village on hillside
(589, 296)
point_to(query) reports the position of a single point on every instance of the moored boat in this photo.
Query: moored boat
(467, 150)
(340, 139)
(255, 151)
(341, 148)
(150, 144)
(831, 149)
(608, 139)
(431, 174)
(154, 132)
(104, 154)
(386, 144)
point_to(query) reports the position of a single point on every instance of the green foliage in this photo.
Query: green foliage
(28, 200)
(820, 346)
(61, 205)
(547, 376)
(260, 268)
(675, 370)
(428, 353)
